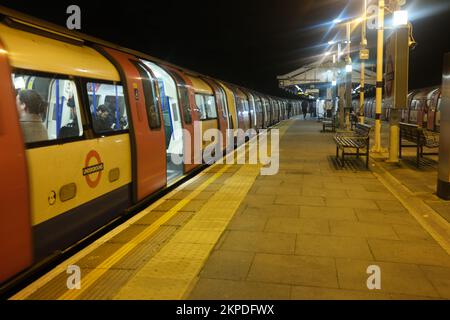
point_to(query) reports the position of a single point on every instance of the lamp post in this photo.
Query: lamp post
(363, 55)
(348, 77)
(379, 85)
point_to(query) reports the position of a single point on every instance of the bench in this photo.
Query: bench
(329, 123)
(419, 138)
(358, 139)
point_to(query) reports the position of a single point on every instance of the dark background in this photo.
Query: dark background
(246, 42)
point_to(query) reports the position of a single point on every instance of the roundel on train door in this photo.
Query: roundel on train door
(93, 167)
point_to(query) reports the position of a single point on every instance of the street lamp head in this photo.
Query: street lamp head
(336, 21)
(331, 42)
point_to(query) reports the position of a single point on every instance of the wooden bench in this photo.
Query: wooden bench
(419, 138)
(358, 139)
(329, 123)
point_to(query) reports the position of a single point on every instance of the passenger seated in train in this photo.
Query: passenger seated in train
(122, 123)
(31, 108)
(104, 119)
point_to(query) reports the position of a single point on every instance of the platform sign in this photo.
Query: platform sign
(396, 68)
(364, 54)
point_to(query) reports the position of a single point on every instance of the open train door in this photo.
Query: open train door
(188, 114)
(15, 224)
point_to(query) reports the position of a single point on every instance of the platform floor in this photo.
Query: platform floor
(309, 232)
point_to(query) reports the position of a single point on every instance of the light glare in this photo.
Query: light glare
(400, 18)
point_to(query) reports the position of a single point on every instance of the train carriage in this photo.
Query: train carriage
(93, 131)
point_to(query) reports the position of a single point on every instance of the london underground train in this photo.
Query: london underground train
(87, 130)
(423, 108)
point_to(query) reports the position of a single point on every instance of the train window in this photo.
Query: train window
(48, 107)
(200, 102)
(206, 106)
(107, 107)
(183, 93)
(151, 104)
(184, 99)
(210, 105)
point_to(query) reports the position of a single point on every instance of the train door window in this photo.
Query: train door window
(151, 104)
(224, 103)
(246, 106)
(185, 105)
(107, 107)
(200, 102)
(183, 93)
(48, 107)
(210, 106)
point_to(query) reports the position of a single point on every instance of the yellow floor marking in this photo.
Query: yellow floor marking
(101, 269)
(174, 269)
(431, 221)
(177, 264)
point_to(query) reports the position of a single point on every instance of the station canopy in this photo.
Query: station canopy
(312, 80)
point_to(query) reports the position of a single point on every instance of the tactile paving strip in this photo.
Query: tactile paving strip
(174, 269)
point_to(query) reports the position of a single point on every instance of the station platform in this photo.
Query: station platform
(309, 232)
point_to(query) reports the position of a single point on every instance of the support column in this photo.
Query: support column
(379, 86)
(443, 184)
(394, 134)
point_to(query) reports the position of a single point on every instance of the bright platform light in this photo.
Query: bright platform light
(333, 83)
(337, 21)
(348, 68)
(400, 18)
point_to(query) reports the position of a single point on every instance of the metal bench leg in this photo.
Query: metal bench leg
(357, 153)
(337, 152)
(418, 156)
(343, 153)
(367, 157)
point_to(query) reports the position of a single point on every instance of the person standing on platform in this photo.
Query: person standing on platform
(304, 108)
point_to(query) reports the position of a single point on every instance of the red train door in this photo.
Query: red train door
(189, 116)
(15, 225)
(221, 114)
(148, 147)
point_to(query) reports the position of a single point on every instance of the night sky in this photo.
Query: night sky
(246, 42)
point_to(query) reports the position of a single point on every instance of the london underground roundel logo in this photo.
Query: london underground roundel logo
(93, 167)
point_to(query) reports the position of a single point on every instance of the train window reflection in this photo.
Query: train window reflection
(206, 106)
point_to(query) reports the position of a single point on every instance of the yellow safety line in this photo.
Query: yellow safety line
(173, 271)
(431, 223)
(101, 269)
